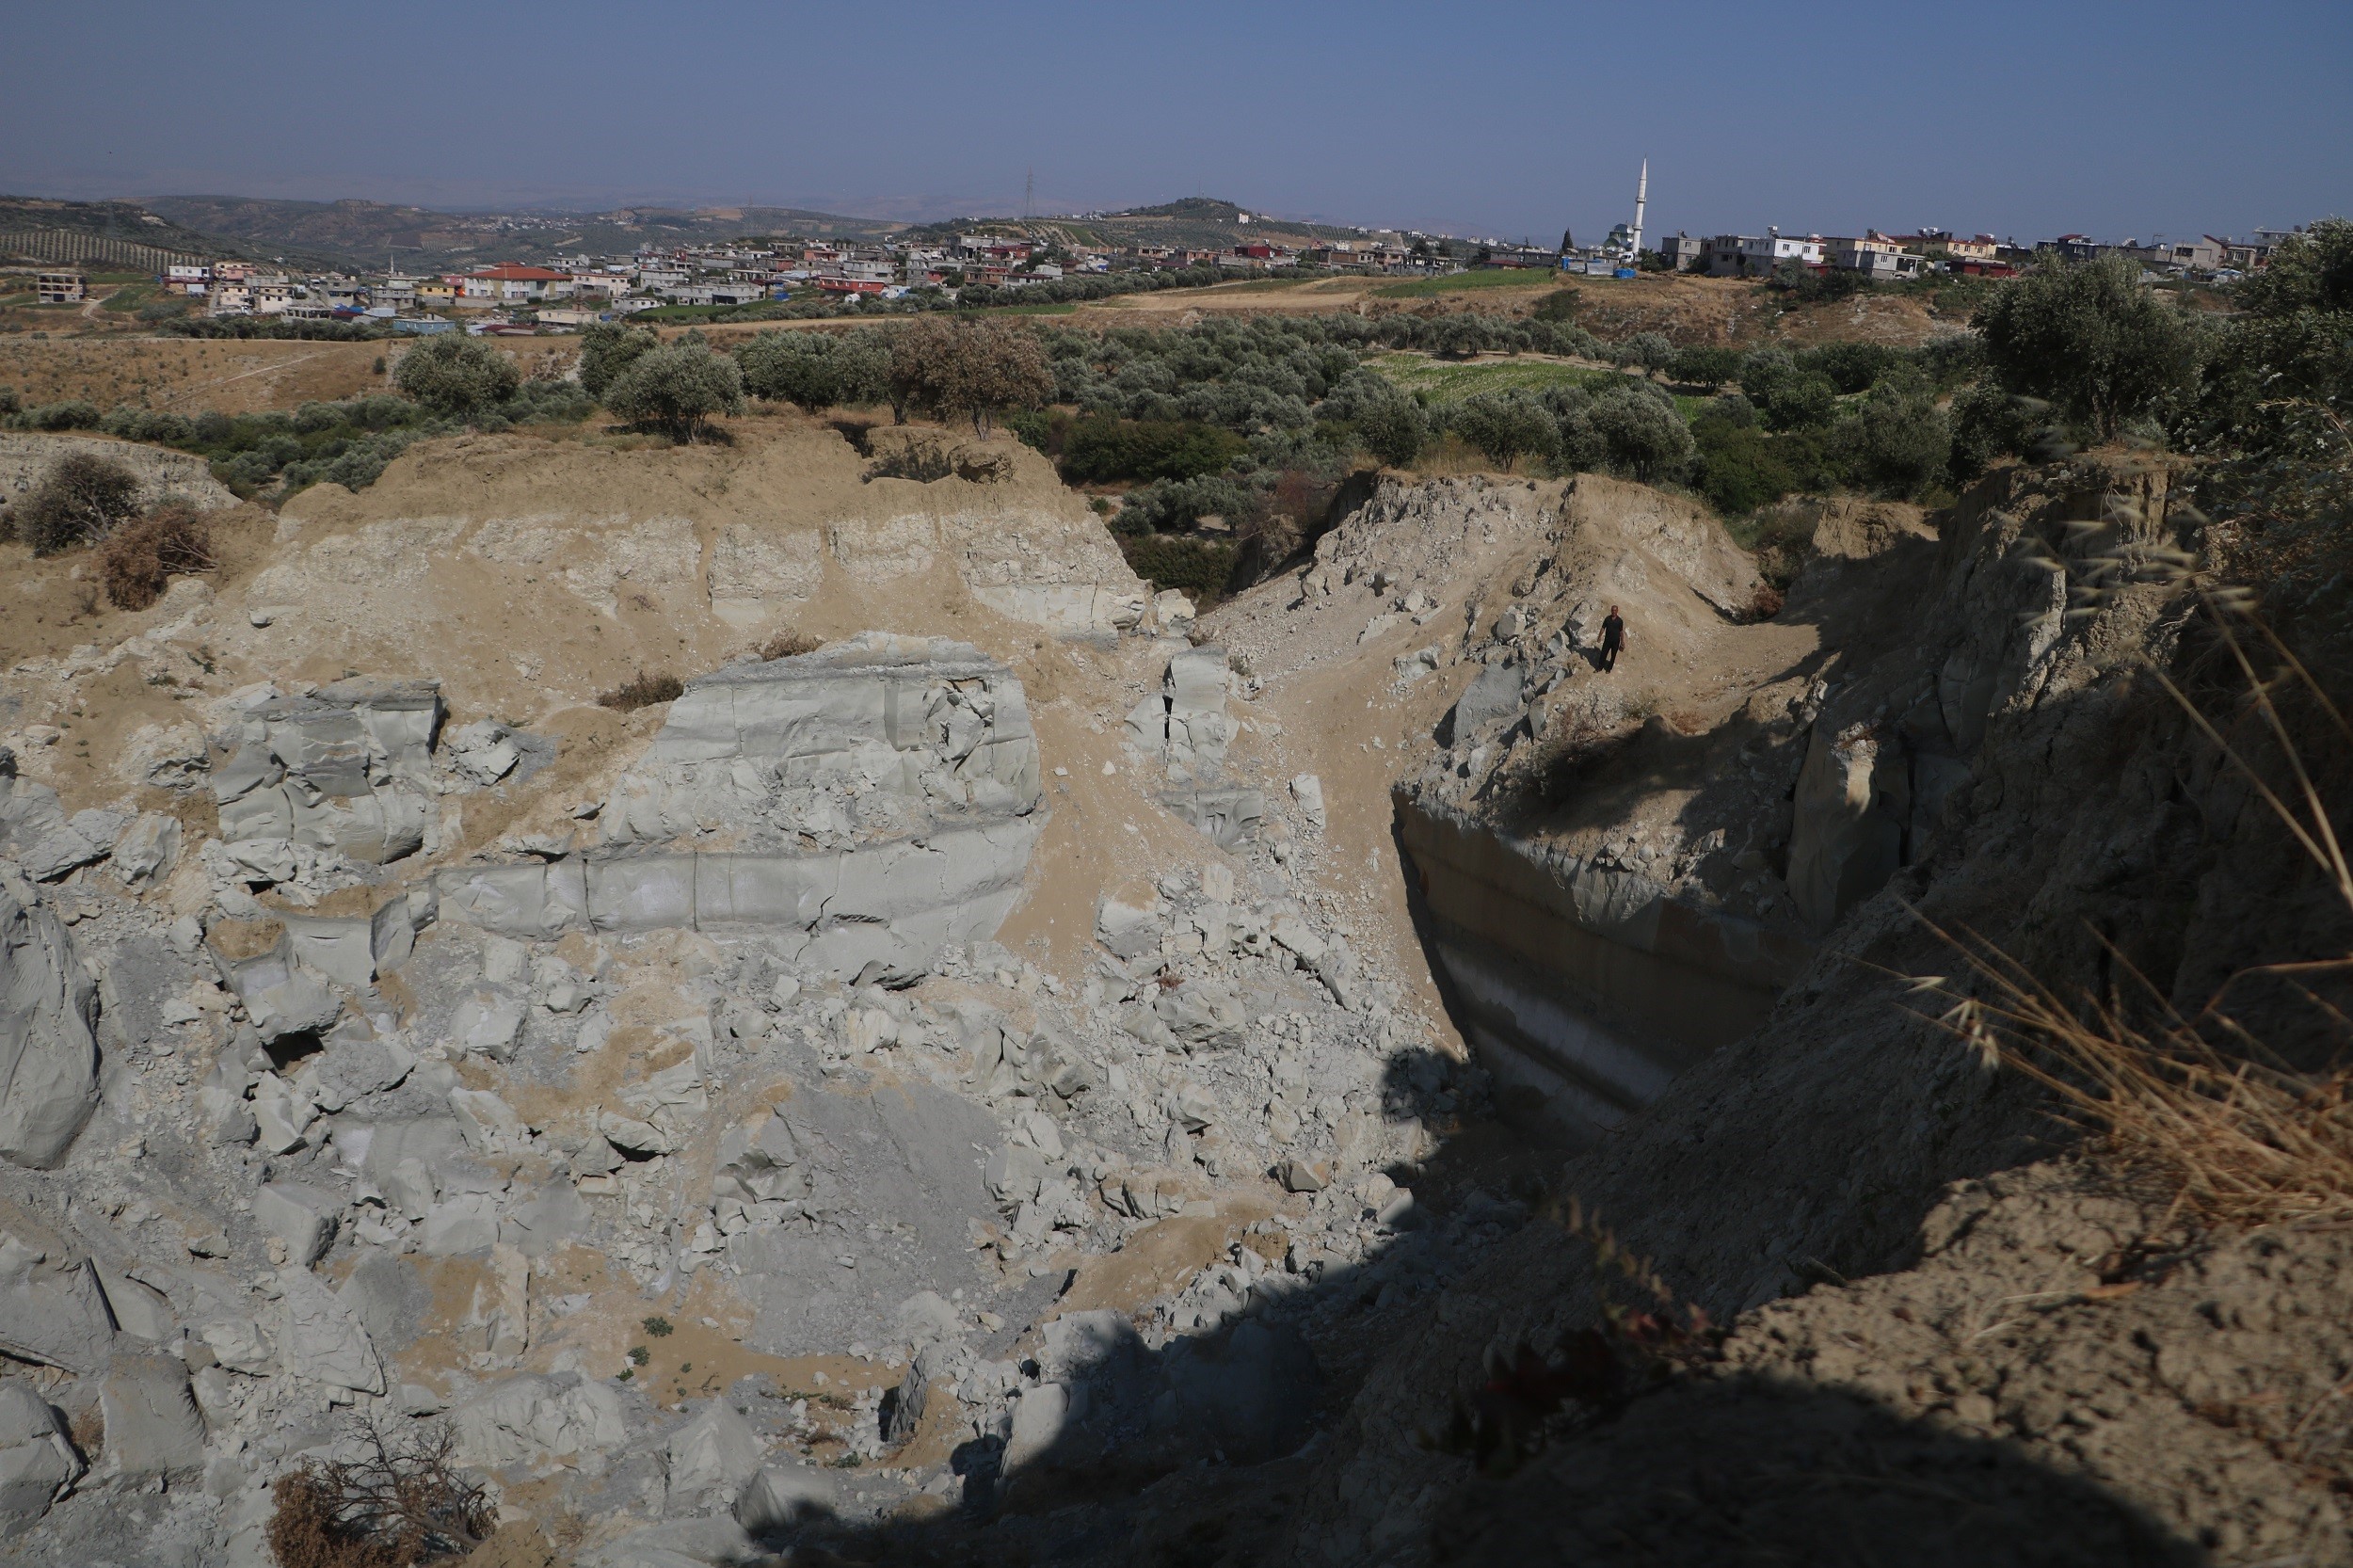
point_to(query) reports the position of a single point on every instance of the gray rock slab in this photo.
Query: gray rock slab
(37, 1459)
(48, 1049)
(152, 1424)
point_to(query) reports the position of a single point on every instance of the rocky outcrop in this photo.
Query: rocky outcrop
(48, 1050)
(347, 768)
(28, 456)
(866, 803)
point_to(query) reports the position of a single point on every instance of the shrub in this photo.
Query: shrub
(1097, 449)
(1737, 469)
(786, 644)
(675, 389)
(642, 691)
(1704, 367)
(1647, 351)
(2091, 340)
(1903, 441)
(1392, 429)
(1560, 305)
(406, 1502)
(73, 415)
(456, 375)
(606, 349)
(969, 369)
(819, 370)
(1506, 427)
(137, 563)
(1644, 434)
(1987, 423)
(1199, 567)
(82, 497)
(1799, 402)
(1850, 367)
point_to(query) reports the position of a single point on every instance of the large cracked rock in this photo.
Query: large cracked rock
(347, 768)
(879, 798)
(48, 1050)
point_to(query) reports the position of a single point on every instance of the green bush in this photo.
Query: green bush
(677, 390)
(2090, 340)
(456, 375)
(607, 348)
(1704, 367)
(1903, 441)
(1507, 427)
(1799, 401)
(1198, 567)
(1987, 424)
(819, 370)
(1738, 468)
(1097, 449)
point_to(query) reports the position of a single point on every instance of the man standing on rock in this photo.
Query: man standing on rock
(1612, 638)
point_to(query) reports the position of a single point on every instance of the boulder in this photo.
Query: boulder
(1496, 698)
(147, 847)
(784, 1492)
(37, 1459)
(1847, 831)
(1043, 1416)
(324, 1339)
(239, 1344)
(1252, 1394)
(302, 1216)
(716, 1451)
(1307, 790)
(152, 1424)
(52, 1311)
(539, 1420)
(48, 1046)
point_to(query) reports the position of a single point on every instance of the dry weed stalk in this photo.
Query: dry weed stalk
(2192, 1101)
(404, 1501)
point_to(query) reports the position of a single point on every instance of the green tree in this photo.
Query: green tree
(456, 375)
(1704, 367)
(1392, 429)
(608, 348)
(1560, 305)
(2091, 340)
(1507, 427)
(819, 370)
(1799, 402)
(1903, 441)
(964, 368)
(677, 390)
(1987, 424)
(1645, 435)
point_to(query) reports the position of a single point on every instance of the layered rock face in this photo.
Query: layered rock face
(347, 768)
(869, 803)
(48, 1055)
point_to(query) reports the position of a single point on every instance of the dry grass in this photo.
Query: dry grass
(137, 563)
(642, 691)
(2194, 1103)
(787, 645)
(404, 1502)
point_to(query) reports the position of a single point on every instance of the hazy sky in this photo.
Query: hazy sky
(1504, 118)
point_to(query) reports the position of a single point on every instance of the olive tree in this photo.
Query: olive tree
(1506, 427)
(969, 369)
(818, 370)
(676, 389)
(2091, 340)
(456, 375)
(607, 349)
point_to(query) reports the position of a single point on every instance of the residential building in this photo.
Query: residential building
(511, 283)
(1750, 256)
(62, 288)
(181, 278)
(434, 294)
(1680, 249)
(1876, 257)
(231, 299)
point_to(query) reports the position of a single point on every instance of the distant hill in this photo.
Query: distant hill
(363, 234)
(1196, 223)
(102, 234)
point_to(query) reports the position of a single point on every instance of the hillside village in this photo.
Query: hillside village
(926, 270)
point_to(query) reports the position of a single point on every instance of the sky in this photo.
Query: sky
(1502, 119)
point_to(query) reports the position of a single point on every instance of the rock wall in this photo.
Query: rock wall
(28, 456)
